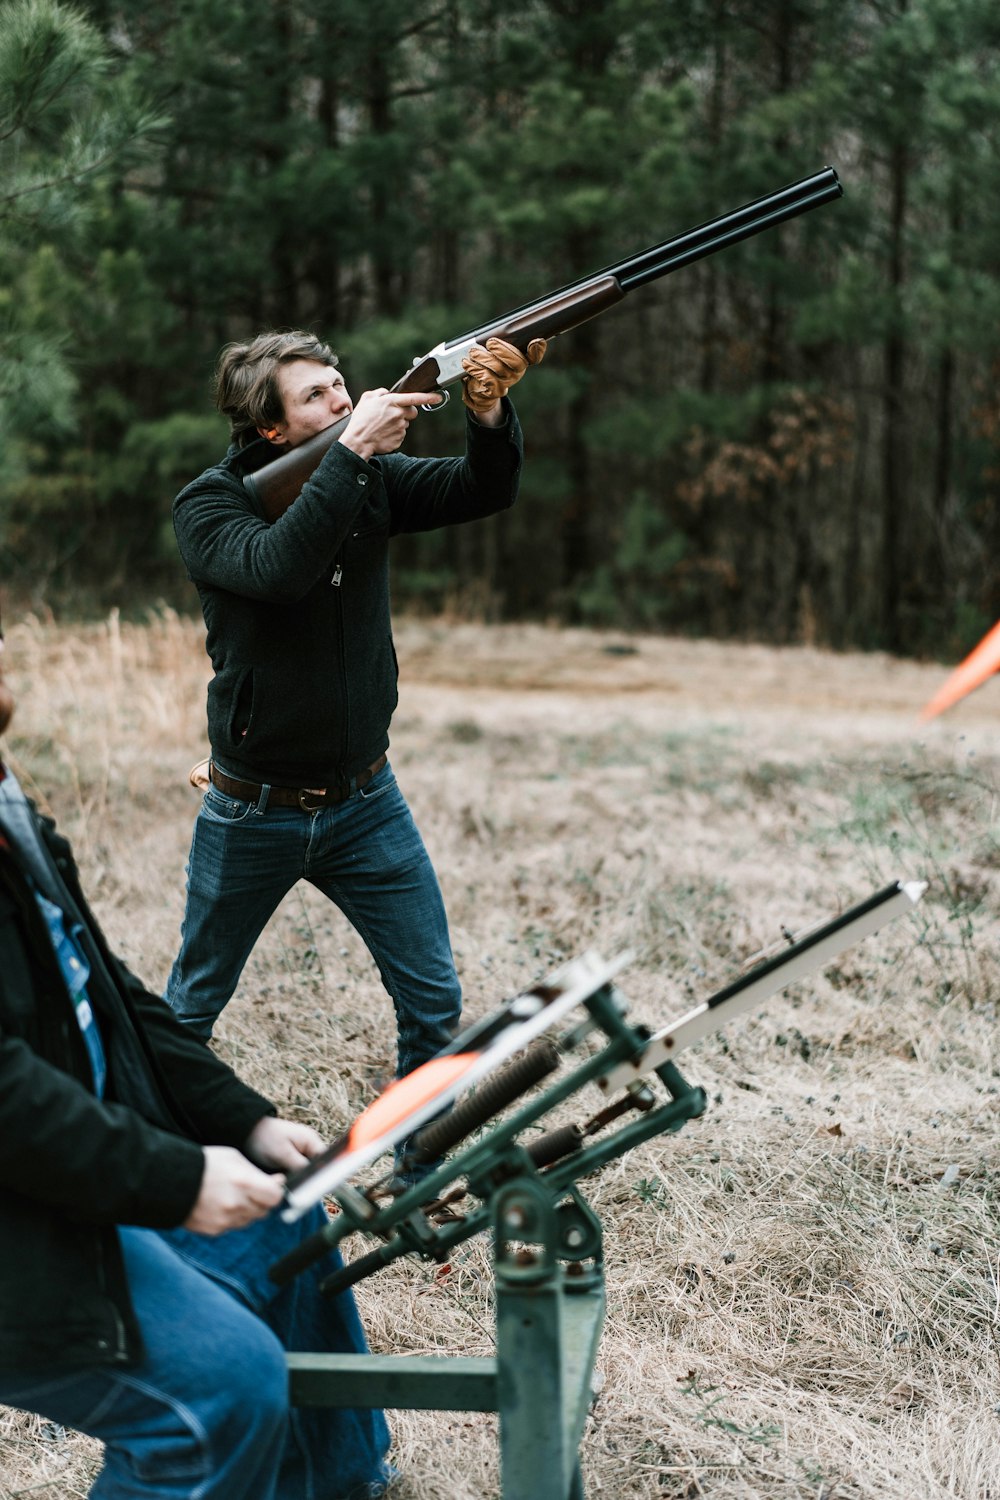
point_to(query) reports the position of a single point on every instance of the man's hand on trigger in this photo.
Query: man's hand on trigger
(233, 1192)
(491, 370)
(380, 420)
(282, 1145)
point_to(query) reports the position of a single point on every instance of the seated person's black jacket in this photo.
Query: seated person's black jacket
(72, 1166)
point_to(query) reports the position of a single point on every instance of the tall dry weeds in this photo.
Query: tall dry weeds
(803, 1285)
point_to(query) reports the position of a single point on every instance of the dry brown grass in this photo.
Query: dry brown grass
(800, 1303)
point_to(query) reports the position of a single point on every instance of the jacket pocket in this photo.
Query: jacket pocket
(241, 713)
(219, 808)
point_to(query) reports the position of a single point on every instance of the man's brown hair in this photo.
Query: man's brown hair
(246, 386)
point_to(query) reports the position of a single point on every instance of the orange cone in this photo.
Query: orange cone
(981, 663)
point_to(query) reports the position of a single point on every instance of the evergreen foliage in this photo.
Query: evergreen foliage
(797, 439)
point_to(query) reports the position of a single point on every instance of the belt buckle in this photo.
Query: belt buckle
(312, 791)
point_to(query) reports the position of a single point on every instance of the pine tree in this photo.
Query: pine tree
(61, 125)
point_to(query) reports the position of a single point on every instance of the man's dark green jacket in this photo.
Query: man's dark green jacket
(72, 1166)
(297, 611)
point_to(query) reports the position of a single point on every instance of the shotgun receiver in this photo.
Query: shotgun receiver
(277, 484)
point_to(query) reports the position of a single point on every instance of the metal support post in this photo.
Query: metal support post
(550, 1311)
(549, 1316)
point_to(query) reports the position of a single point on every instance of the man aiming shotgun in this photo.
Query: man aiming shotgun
(300, 637)
(287, 542)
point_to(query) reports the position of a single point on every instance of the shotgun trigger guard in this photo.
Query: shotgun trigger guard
(440, 405)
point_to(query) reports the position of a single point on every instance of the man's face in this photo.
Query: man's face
(6, 696)
(313, 397)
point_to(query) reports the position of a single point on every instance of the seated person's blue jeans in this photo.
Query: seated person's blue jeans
(204, 1415)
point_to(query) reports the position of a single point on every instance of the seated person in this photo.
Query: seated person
(138, 1179)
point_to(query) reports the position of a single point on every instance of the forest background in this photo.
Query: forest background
(797, 440)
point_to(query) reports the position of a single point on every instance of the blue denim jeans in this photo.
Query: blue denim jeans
(204, 1414)
(366, 855)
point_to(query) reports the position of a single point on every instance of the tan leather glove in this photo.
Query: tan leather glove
(491, 371)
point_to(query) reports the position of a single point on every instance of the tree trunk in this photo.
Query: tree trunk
(894, 414)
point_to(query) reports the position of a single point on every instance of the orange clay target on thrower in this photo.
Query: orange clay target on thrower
(970, 674)
(405, 1097)
(476, 1053)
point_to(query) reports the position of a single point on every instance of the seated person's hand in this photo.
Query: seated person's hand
(492, 369)
(233, 1192)
(282, 1145)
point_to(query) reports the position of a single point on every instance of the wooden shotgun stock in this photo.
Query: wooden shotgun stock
(277, 484)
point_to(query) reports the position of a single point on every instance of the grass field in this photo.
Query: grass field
(804, 1284)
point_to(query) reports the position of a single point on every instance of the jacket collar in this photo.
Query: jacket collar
(20, 830)
(249, 459)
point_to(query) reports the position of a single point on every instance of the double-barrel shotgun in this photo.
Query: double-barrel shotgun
(277, 484)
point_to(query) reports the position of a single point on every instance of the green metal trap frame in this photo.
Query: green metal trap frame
(547, 1242)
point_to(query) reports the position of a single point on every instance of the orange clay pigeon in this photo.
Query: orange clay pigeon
(475, 1053)
(973, 671)
(405, 1096)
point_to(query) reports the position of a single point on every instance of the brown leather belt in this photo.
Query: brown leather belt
(309, 798)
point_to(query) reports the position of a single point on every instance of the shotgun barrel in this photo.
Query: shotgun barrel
(695, 244)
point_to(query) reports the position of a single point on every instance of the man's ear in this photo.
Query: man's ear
(273, 434)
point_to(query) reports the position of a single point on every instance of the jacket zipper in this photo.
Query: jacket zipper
(345, 687)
